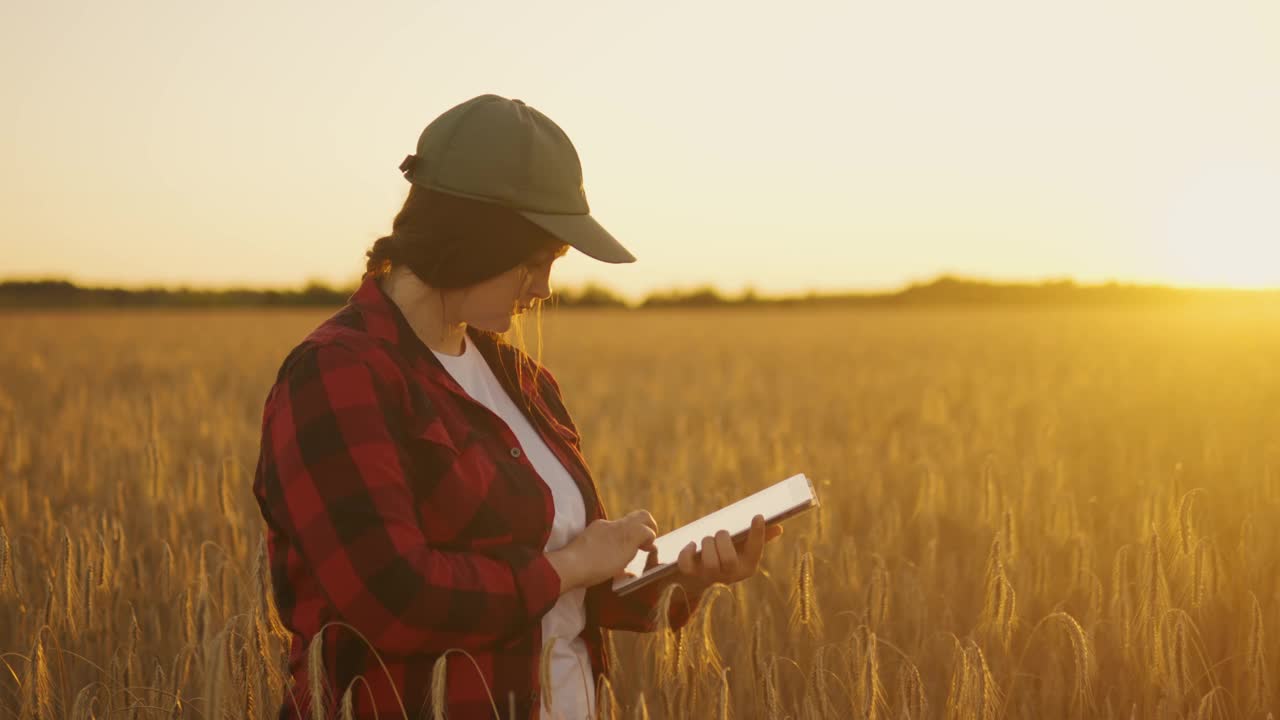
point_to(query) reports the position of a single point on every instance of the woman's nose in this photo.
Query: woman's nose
(540, 287)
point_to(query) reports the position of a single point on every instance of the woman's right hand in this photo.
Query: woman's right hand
(603, 549)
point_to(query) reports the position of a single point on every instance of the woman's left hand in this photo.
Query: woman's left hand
(721, 560)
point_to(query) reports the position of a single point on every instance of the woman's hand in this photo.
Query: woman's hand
(603, 549)
(721, 560)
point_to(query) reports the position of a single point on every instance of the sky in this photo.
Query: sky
(779, 146)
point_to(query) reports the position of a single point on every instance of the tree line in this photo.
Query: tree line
(944, 290)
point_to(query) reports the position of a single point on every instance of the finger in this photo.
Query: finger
(757, 524)
(710, 558)
(688, 560)
(755, 541)
(644, 518)
(772, 532)
(652, 559)
(728, 555)
(644, 538)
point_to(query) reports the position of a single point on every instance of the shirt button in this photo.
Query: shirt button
(515, 452)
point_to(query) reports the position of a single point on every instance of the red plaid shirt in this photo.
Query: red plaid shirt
(401, 508)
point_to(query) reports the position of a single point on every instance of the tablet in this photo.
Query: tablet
(776, 503)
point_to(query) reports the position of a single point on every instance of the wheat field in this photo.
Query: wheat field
(1026, 513)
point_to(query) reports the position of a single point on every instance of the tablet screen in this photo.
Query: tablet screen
(776, 502)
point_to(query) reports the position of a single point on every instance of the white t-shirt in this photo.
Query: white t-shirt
(572, 690)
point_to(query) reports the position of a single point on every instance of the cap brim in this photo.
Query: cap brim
(583, 233)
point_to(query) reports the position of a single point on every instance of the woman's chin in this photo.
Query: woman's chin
(496, 324)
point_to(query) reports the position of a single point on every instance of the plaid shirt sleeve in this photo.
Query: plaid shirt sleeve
(635, 611)
(336, 486)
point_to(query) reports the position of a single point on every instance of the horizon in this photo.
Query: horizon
(824, 148)
(1044, 282)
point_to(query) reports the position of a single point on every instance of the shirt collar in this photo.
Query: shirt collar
(384, 321)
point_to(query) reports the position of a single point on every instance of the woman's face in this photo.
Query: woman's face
(490, 304)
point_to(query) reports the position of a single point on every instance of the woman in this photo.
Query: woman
(422, 483)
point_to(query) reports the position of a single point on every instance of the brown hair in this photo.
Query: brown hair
(450, 241)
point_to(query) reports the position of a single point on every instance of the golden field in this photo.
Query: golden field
(1026, 513)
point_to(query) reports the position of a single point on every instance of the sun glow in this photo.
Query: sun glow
(1223, 230)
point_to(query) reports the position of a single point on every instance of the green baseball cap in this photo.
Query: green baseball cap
(505, 152)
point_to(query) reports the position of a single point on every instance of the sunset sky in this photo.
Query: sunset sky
(783, 145)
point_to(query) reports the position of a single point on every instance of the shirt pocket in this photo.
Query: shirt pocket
(476, 496)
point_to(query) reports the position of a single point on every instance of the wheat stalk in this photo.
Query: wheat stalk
(642, 708)
(544, 670)
(998, 618)
(724, 705)
(870, 690)
(1258, 678)
(913, 701)
(804, 607)
(606, 700)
